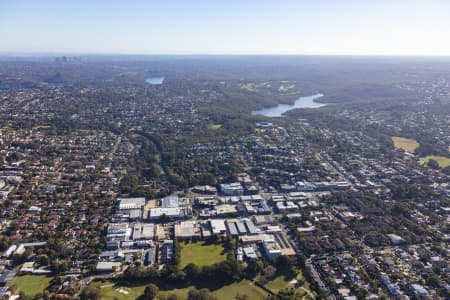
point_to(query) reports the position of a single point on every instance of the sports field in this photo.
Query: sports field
(442, 161)
(243, 287)
(111, 291)
(406, 144)
(31, 285)
(201, 254)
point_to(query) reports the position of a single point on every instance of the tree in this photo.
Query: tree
(360, 293)
(227, 271)
(229, 244)
(301, 260)
(288, 294)
(4, 243)
(269, 272)
(203, 294)
(43, 260)
(55, 283)
(192, 271)
(446, 170)
(151, 291)
(254, 266)
(164, 218)
(60, 266)
(176, 253)
(90, 293)
(433, 281)
(283, 264)
(433, 164)
(242, 297)
(22, 296)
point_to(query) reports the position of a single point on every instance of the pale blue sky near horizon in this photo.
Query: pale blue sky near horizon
(319, 27)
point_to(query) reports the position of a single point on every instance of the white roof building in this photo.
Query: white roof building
(187, 229)
(271, 248)
(8, 252)
(131, 203)
(108, 266)
(170, 201)
(230, 189)
(19, 250)
(249, 252)
(27, 267)
(171, 212)
(396, 239)
(218, 226)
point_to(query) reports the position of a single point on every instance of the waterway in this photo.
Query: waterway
(155, 80)
(280, 109)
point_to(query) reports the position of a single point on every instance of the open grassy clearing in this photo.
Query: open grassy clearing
(112, 291)
(406, 144)
(282, 282)
(201, 254)
(252, 87)
(279, 283)
(181, 293)
(442, 161)
(227, 292)
(284, 88)
(31, 285)
(37, 127)
(248, 86)
(246, 287)
(89, 131)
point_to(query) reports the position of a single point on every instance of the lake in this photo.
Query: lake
(280, 109)
(155, 80)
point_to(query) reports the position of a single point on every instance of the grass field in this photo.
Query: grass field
(406, 144)
(31, 285)
(41, 127)
(89, 131)
(228, 292)
(181, 293)
(246, 287)
(248, 86)
(201, 254)
(110, 291)
(215, 126)
(279, 283)
(253, 87)
(282, 282)
(441, 160)
(284, 88)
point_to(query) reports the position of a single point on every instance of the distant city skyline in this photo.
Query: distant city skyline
(321, 27)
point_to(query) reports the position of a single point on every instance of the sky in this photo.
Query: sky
(312, 27)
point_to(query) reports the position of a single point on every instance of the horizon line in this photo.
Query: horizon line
(75, 53)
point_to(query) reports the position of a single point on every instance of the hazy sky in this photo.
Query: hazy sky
(412, 27)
